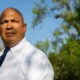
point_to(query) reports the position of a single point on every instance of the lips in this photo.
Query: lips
(10, 33)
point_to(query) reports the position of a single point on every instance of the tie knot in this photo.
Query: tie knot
(6, 50)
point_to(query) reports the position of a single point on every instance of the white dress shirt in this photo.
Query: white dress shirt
(25, 62)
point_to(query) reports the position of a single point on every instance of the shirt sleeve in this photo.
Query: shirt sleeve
(38, 67)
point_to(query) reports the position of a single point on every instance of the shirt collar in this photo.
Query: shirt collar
(18, 47)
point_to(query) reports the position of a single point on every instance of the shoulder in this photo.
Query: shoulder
(38, 64)
(30, 54)
(35, 62)
(32, 50)
(39, 54)
(36, 56)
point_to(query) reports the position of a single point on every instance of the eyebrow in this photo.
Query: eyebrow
(5, 20)
(10, 20)
(14, 20)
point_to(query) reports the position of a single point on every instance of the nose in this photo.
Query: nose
(9, 26)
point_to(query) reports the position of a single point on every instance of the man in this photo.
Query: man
(23, 61)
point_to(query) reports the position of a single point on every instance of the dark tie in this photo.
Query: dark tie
(4, 55)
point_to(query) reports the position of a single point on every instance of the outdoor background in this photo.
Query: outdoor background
(54, 27)
(26, 6)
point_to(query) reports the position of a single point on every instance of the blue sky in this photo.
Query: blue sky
(25, 7)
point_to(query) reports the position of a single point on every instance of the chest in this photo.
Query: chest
(10, 69)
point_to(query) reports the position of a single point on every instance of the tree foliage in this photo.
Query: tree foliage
(64, 53)
(66, 63)
(44, 46)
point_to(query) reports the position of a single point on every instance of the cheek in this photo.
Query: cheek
(2, 31)
(19, 32)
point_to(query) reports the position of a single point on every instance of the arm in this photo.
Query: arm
(39, 67)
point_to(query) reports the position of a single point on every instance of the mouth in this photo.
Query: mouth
(10, 33)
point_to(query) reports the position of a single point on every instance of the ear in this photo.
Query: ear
(25, 27)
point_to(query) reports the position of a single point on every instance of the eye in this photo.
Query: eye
(2, 22)
(14, 20)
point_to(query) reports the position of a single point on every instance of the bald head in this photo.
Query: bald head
(11, 10)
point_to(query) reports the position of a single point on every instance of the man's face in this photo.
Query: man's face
(12, 27)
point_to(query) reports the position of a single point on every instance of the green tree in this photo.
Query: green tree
(66, 63)
(66, 11)
(64, 54)
(44, 46)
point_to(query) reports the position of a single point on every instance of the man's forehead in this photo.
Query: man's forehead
(10, 16)
(9, 12)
